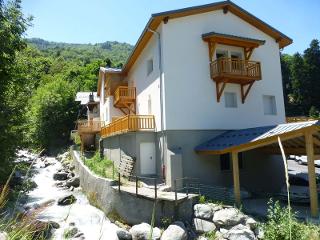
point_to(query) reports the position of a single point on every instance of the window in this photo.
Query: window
(225, 162)
(221, 53)
(230, 99)
(269, 105)
(149, 66)
(149, 105)
(236, 55)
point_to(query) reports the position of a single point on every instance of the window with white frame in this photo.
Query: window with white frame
(149, 66)
(230, 100)
(269, 105)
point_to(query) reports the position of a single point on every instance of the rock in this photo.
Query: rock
(223, 230)
(142, 232)
(73, 182)
(239, 232)
(71, 175)
(203, 211)
(219, 236)
(259, 233)
(54, 224)
(251, 223)
(203, 226)
(78, 235)
(67, 200)
(4, 236)
(60, 176)
(124, 234)
(228, 217)
(215, 207)
(175, 231)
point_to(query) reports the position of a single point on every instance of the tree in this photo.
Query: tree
(52, 114)
(13, 24)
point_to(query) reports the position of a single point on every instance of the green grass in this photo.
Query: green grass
(101, 167)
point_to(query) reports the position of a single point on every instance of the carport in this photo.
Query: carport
(301, 138)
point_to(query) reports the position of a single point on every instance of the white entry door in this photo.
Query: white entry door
(147, 158)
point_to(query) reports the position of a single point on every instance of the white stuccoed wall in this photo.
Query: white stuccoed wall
(190, 94)
(147, 85)
(107, 110)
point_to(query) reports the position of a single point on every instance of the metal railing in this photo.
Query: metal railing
(236, 67)
(129, 123)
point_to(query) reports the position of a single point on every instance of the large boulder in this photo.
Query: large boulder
(239, 232)
(142, 232)
(203, 211)
(123, 234)
(175, 231)
(67, 200)
(3, 236)
(60, 176)
(203, 226)
(228, 217)
(251, 223)
(73, 182)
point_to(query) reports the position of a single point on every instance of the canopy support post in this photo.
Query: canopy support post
(236, 178)
(311, 174)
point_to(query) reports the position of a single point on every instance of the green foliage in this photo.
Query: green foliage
(301, 78)
(101, 167)
(202, 199)
(12, 26)
(51, 114)
(279, 222)
(210, 235)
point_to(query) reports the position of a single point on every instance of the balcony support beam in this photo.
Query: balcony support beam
(247, 52)
(245, 92)
(212, 48)
(219, 90)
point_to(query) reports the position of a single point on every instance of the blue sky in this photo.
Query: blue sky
(92, 21)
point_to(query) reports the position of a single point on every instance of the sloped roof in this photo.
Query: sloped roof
(157, 18)
(244, 138)
(83, 97)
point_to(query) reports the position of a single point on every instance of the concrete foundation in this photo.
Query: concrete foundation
(125, 205)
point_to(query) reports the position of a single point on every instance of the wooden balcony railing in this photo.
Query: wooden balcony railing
(129, 123)
(124, 94)
(235, 70)
(85, 126)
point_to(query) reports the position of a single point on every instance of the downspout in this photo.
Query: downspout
(163, 149)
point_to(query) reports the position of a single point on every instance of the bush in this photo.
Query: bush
(101, 167)
(278, 225)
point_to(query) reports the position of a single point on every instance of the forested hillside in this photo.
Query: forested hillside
(85, 53)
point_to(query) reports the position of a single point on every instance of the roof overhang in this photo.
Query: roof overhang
(232, 40)
(291, 134)
(103, 71)
(158, 18)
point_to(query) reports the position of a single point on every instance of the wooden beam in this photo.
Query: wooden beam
(236, 178)
(247, 52)
(312, 175)
(219, 90)
(212, 48)
(244, 93)
(316, 141)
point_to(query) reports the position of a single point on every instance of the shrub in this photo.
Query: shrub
(102, 167)
(279, 220)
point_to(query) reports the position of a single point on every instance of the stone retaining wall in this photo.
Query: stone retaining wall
(130, 208)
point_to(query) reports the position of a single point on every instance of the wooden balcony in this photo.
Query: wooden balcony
(85, 126)
(129, 123)
(124, 97)
(235, 70)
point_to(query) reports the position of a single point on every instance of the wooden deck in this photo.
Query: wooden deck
(129, 123)
(85, 126)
